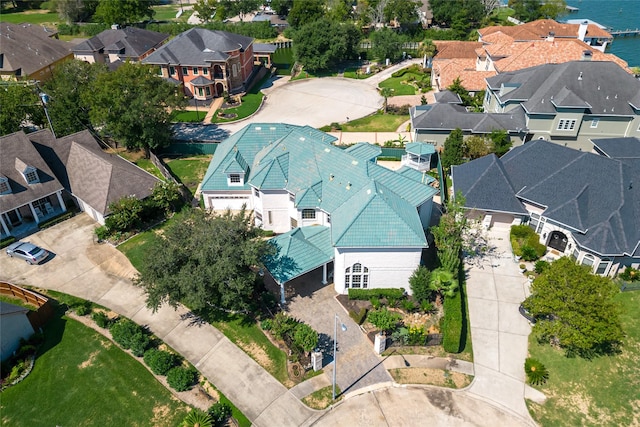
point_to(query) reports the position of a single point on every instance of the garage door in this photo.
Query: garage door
(502, 220)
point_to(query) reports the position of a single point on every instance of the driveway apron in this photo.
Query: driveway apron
(495, 289)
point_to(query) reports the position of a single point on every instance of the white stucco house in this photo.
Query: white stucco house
(333, 208)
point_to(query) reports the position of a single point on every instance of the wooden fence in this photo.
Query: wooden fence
(37, 318)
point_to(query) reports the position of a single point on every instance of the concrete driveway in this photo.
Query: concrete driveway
(495, 289)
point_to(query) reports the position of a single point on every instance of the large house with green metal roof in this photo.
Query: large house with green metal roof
(331, 207)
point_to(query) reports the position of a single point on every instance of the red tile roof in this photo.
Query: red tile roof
(541, 28)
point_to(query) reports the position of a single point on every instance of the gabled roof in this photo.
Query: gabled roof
(199, 47)
(592, 195)
(449, 116)
(485, 185)
(376, 217)
(446, 96)
(92, 175)
(605, 87)
(130, 42)
(17, 153)
(619, 148)
(420, 148)
(299, 251)
(29, 48)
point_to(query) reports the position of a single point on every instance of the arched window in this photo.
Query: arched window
(588, 259)
(356, 276)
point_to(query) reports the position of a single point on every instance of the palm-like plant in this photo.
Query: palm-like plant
(197, 418)
(426, 49)
(444, 282)
(386, 92)
(536, 372)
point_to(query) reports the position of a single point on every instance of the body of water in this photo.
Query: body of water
(616, 15)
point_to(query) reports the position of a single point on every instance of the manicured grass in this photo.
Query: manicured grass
(350, 73)
(321, 399)
(82, 378)
(377, 122)
(168, 12)
(398, 86)
(309, 75)
(283, 60)
(601, 391)
(190, 170)
(138, 245)
(188, 116)
(250, 104)
(29, 16)
(246, 334)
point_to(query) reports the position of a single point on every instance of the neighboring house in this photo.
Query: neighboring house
(92, 176)
(206, 63)
(582, 205)
(569, 103)
(433, 123)
(115, 46)
(29, 190)
(425, 14)
(14, 326)
(589, 33)
(30, 52)
(473, 62)
(273, 19)
(333, 205)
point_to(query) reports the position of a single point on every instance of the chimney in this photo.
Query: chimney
(582, 31)
(587, 55)
(551, 37)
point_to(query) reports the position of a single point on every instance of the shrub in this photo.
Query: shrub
(305, 337)
(102, 233)
(452, 324)
(197, 418)
(283, 325)
(125, 214)
(359, 316)
(419, 283)
(83, 309)
(220, 412)
(367, 294)
(181, 378)
(541, 266)
(160, 361)
(426, 306)
(536, 372)
(400, 336)
(101, 319)
(408, 305)
(336, 126)
(529, 253)
(375, 303)
(525, 243)
(130, 336)
(266, 324)
(416, 335)
(630, 274)
(384, 319)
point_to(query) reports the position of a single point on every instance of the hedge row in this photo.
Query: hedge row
(367, 294)
(452, 324)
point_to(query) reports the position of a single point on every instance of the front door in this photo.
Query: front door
(558, 241)
(13, 218)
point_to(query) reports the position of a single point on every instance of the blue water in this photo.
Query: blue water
(617, 15)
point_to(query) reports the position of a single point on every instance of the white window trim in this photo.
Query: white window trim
(306, 214)
(594, 123)
(195, 71)
(362, 276)
(31, 171)
(185, 71)
(231, 178)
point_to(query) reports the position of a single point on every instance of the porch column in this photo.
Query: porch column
(62, 205)
(33, 212)
(4, 225)
(324, 274)
(282, 293)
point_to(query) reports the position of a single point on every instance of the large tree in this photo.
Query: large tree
(322, 43)
(68, 89)
(76, 10)
(453, 149)
(123, 12)
(205, 9)
(448, 235)
(202, 260)
(575, 310)
(19, 104)
(404, 12)
(133, 104)
(530, 10)
(387, 44)
(305, 12)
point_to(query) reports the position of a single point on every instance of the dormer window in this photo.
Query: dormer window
(308, 214)
(4, 185)
(235, 179)
(31, 175)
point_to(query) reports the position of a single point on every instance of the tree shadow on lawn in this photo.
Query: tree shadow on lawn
(54, 329)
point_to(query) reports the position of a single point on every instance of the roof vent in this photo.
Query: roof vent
(327, 150)
(580, 76)
(368, 191)
(630, 185)
(354, 162)
(587, 55)
(331, 177)
(302, 138)
(348, 185)
(258, 128)
(598, 87)
(272, 128)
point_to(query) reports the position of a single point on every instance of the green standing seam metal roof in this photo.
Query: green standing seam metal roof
(420, 148)
(416, 175)
(299, 251)
(377, 217)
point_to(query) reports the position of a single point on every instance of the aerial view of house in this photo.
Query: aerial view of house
(334, 206)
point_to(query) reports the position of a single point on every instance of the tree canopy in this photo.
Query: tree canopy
(386, 44)
(453, 149)
(19, 103)
(305, 12)
(322, 43)
(448, 236)
(575, 310)
(203, 260)
(123, 12)
(530, 10)
(133, 104)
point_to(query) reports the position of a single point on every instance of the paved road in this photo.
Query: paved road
(495, 289)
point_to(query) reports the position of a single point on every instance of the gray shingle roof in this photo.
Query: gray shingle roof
(619, 148)
(17, 151)
(441, 116)
(485, 185)
(94, 176)
(591, 194)
(599, 87)
(446, 96)
(199, 47)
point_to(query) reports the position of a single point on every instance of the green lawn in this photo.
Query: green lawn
(250, 104)
(190, 170)
(148, 165)
(283, 59)
(80, 378)
(188, 116)
(377, 122)
(602, 391)
(30, 16)
(168, 12)
(401, 84)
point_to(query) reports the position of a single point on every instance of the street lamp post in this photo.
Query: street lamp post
(335, 341)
